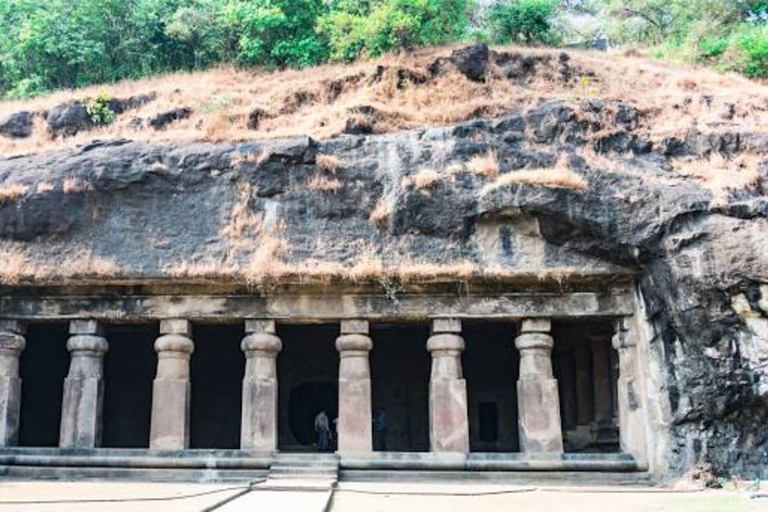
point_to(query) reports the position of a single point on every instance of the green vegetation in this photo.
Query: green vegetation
(52, 44)
(729, 35)
(524, 21)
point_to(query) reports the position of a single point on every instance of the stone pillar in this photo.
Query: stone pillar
(84, 386)
(538, 404)
(448, 422)
(171, 389)
(631, 420)
(12, 342)
(601, 379)
(259, 421)
(355, 415)
(584, 402)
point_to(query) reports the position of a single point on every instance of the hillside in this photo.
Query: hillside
(453, 167)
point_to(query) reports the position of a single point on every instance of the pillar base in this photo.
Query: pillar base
(355, 416)
(449, 425)
(170, 411)
(539, 416)
(259, 422)
(10, 409)
(81, 413)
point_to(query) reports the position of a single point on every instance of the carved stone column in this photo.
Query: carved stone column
(171, 389)
(538, 404)
(631, 417)
(601, 361)
(83, 400)
(12, 343)
(355, 415)
(448, 422)
(259, 420)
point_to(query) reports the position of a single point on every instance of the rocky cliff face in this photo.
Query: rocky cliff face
(547, 195)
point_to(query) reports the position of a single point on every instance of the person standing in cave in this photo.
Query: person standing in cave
(323, 430)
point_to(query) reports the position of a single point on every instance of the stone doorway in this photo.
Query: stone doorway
(491, 365)
(44, 365)
(217, 369)
(400, 368)
(586, 367)
(129, 367)
(308, 372)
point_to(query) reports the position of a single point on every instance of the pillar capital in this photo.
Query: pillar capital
(176, 326)
(12, 337)
(536, 325)
(170, 344)
(446, 325)
(87, 327)
(445, 344)
(260, 325)
(261, 343)
(354, 327)
(534, 341)
(347, 343)
(621, 338)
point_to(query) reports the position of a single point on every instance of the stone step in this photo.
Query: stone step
(303, 471)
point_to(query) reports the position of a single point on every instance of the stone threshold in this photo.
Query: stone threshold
(200, 459)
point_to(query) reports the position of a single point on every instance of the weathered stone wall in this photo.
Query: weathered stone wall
(257, 211)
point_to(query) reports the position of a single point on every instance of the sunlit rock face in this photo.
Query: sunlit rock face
(530, 197)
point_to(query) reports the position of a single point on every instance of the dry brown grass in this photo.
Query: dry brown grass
(243, 224)
(320, 101)
(21, 263)
(12, 192)
(560, 176)
(486, 165)
(72, 185)
(381, 212)
(721, 175)
(330, 163)
(44, 187)
(423, 179)
(320, 182)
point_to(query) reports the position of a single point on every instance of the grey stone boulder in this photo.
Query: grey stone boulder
(68, 119)
(472, 61)
(162, 120)
(18, 125)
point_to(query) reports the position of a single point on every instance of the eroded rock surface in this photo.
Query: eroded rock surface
(238, 211)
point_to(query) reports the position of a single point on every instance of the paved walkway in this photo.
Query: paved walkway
(363, 497)
(385, 497)
(17, 496)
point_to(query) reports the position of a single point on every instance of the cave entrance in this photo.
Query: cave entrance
(491, 363)
(217, 369)
(308, 374)
(129, 368)
(44, 365)
(400, 369)
(587, 369)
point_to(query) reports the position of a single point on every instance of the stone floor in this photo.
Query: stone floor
(359, 497)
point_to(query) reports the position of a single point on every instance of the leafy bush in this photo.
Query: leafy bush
(523, 21)
(371, 28)
(98, 109)
(751, 48)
